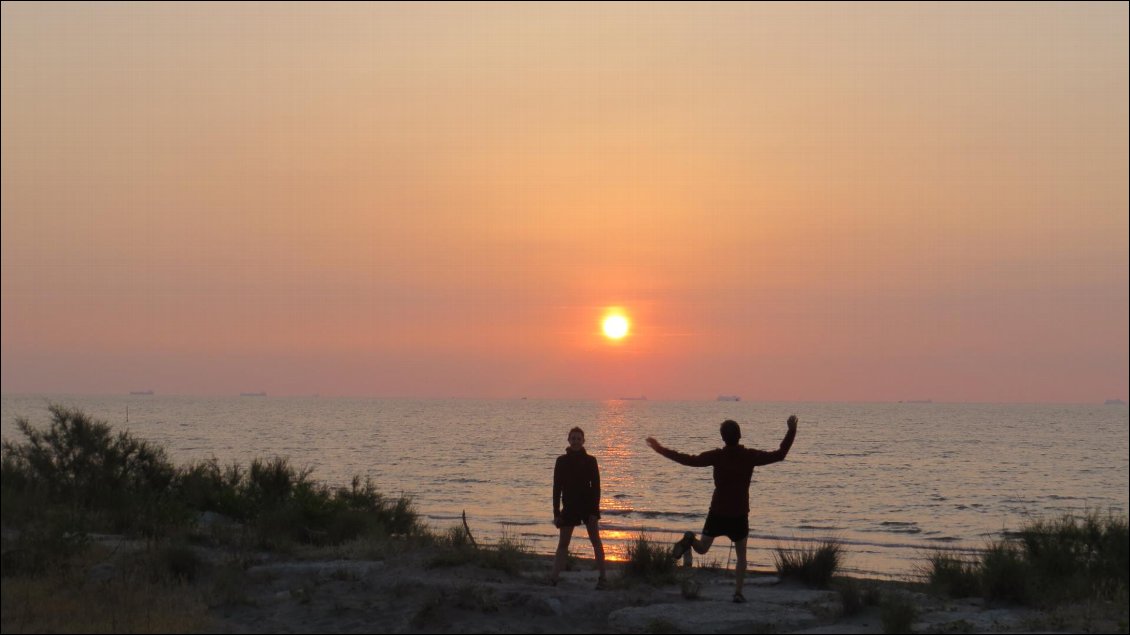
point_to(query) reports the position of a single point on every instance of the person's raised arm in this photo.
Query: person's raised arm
(700, 460)
(762, 457)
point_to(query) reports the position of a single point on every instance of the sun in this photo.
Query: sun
(616, 326)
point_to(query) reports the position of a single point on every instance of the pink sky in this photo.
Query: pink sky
(792, 202)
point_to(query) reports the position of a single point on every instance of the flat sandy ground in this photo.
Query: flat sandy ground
(409, 589)
(406, 594)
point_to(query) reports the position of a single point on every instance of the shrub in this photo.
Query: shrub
(456, 549)
(897, 612)
(1005, 573)
(812, 565)
(1075, 557)
(110, 481)
(953, 575)
(80, 476)
(649, 562)
(507, 555)
(851, 596)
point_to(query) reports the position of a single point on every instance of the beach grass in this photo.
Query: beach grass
(813, 565)
(648, 561)
(952, 575)
(454, 548)
(1047, 563)
(144, 592)
(897, 613)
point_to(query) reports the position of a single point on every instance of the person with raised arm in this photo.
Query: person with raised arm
(729, 507)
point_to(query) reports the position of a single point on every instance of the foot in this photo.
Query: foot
(683, 545)
(739, 598)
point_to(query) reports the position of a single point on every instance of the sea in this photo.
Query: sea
(892, 482)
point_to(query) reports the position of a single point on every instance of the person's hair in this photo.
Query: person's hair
(731, 431)
(575, 429)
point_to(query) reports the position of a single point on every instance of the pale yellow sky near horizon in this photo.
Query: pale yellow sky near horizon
(792, 201)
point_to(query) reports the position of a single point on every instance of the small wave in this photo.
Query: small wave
(650, 515)
(622, 496)
(898, 527)
(820, 527)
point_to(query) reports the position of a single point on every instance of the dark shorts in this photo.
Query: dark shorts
(569, 518)
(733, 527)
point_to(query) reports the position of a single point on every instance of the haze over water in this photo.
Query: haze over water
(892, 481)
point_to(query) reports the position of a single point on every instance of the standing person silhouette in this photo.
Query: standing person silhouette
(576, 483)
(729, 507)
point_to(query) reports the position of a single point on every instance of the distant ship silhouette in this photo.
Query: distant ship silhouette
(728, 398)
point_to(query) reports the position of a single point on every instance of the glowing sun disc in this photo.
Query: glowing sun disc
(615, 326)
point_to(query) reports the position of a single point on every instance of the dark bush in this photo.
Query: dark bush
(79, 476)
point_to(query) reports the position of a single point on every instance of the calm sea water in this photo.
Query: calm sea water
(892, 481)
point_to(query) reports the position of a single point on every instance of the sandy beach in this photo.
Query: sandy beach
(403, 590)
(403, 595)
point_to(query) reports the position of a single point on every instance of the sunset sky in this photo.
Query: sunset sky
(788, 201)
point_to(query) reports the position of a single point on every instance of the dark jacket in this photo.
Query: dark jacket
(576, 479)
(733, 471)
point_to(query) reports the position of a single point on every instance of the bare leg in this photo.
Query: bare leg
(739, 574)
(593, 525)
(702, 545)
(562, 552)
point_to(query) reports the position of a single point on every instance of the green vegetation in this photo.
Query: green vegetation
(814, 565)
(856, 596)
(953, 575)
(78, 477)
(897, 612)
(455, 548)
(649, 562)
(1046, 564)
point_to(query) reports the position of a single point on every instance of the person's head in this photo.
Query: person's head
(731, 432)
(576, 438)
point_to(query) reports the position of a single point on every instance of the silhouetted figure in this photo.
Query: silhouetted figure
(729, 508)
(576, 483)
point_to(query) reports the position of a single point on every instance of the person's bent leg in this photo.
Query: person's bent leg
(702, 545)
(562, 552)
(593, 525)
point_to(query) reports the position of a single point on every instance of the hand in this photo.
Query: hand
(557, 520)
(792, 422)
(654, 444)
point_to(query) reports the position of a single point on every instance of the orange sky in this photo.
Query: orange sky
(793, 202)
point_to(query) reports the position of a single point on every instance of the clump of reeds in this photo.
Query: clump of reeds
(814, 565)
(456, 548)
(1048, 562)
(953, 575)
(650, 562)
(897, 613)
